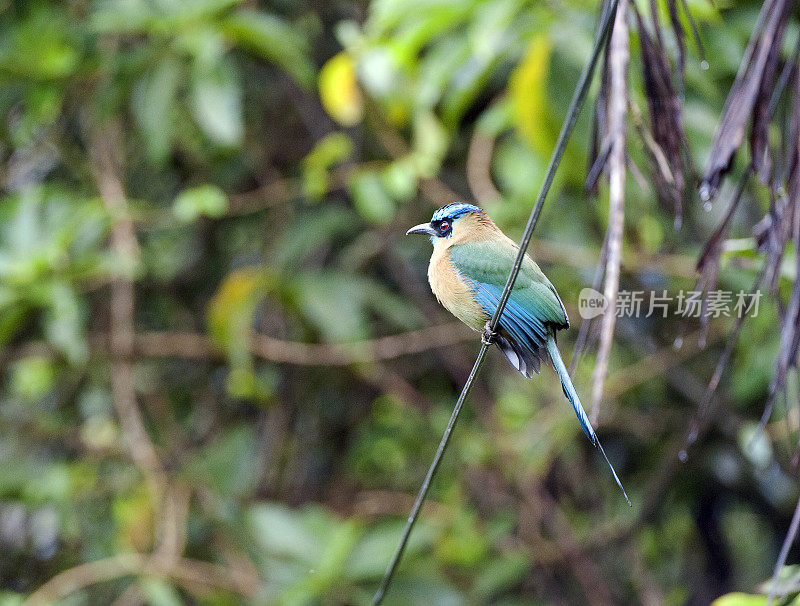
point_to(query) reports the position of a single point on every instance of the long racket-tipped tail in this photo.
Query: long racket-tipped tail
(572, 396)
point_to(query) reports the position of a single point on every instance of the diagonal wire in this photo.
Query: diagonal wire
(581, 89)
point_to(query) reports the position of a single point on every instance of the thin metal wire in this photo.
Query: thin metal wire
(581, 89)
(426, 483)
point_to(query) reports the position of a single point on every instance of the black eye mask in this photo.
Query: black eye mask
(443, 228)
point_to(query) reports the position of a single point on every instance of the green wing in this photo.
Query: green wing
(489, 263)
(532, 309)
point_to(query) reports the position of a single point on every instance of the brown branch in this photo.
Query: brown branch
(283, 190)
(619, 53)
(183, 570)
(651, 147)
(170, 502)
(172, 524)
(83, 575)
(479, 175)
(104, 153)
(241, 580)
(271, 194)
(197, 346)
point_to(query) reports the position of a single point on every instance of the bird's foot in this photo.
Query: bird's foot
(488, 336)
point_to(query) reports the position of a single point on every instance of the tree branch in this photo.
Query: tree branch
(183, 570)
(618, 93)
(479, 174)
(198, 346)
(104, 153)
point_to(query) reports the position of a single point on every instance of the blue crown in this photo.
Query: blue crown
(453, 210)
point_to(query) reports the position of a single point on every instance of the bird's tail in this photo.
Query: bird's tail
(572, 396)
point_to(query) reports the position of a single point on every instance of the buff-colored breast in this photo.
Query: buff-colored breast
(451, 290)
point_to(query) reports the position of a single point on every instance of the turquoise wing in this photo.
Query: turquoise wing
(531, 310)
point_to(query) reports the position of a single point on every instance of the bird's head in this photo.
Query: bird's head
(447, 221)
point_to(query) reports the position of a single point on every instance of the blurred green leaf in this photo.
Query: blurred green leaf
(64, 323)
(369, 197)
(369, 556)
(329, 151)
(338, 540)
(166, 254)
(121, 16)
(152, 102)
(465, 543)
(32, 378)
(160, 593)
(203, 200)
(273, 39)
(230, 312)
(8, 598)
(399, 179)
(338, 305)
(528, 95)
(229, 466)
(53, 486)
(50, 240)
(282, 532)
(311, 231)
(217, 103)
(39, 47)
(501, 573)
(160, 18)
(430, 143)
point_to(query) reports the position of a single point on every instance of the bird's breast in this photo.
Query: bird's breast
(453, 292)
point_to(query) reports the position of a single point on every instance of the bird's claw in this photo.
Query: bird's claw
(488, 336)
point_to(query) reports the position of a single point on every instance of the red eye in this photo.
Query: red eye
(444, 226)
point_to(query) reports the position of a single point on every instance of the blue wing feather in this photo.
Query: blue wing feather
(532, 311)
(528, 332)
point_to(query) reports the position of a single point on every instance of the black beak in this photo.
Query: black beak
(423, 228)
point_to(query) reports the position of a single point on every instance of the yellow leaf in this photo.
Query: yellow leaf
(528, 92)
(230, 311)
(740, 599)
(339, 91)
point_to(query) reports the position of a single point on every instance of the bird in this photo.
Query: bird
(468, 269)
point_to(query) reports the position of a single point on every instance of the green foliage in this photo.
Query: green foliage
(271, 156)
(787, 594)
(273, 39)
(329, 151)
(205, 200)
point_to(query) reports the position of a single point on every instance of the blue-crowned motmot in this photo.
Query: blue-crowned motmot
(468, 270)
